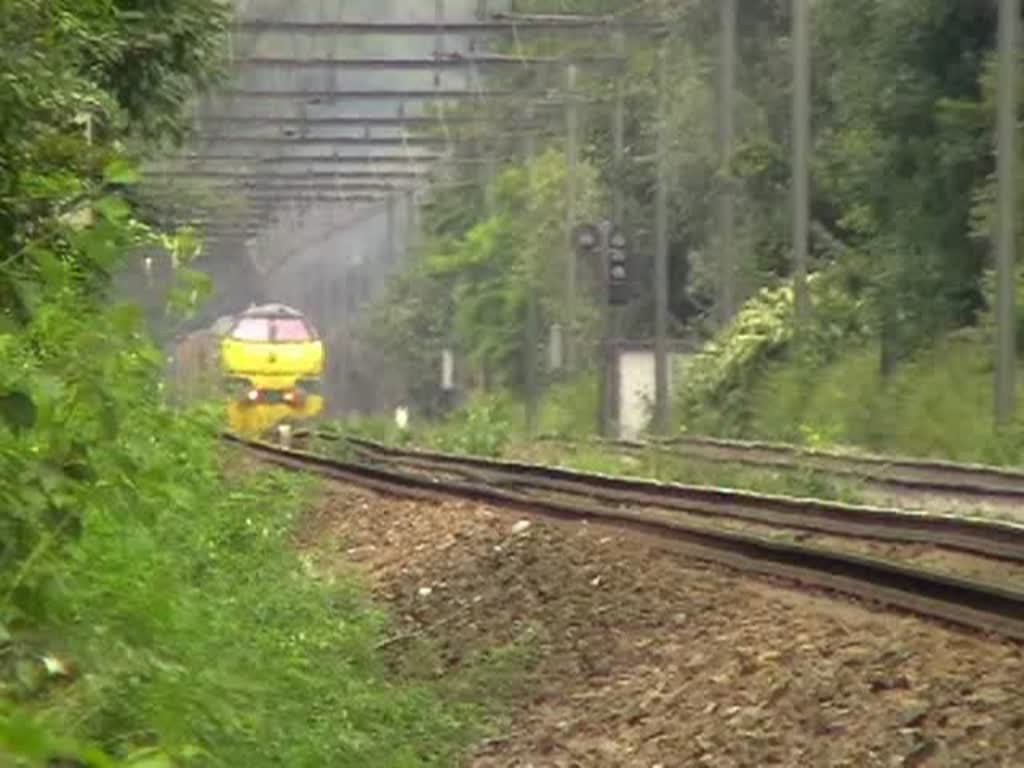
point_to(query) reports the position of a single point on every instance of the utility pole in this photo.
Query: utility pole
(391, 226)
(604, 320)
(412, 240)
(439, 38)
(801, 153)
(619, 134)
(472, 72)
(611, 315)
(1006, 166)
(726, 144)
(661, 405)
(572, 159)
(488, 168)
(532, 320)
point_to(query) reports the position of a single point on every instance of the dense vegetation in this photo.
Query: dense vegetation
(468, 288)
(153, 610)
(150, 606)
(902, 193)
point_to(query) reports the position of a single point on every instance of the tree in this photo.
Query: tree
(81, 82)
(468, 290)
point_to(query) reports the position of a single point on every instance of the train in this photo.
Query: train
(264, 364)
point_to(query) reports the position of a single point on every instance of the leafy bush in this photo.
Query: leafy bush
(937, 404)
(152, 606)
(167, 580)
(569, 409)
(715, 395)
(481, 427)
(468, 289)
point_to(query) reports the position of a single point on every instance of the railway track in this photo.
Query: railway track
(656, 509)
(933, 476)
(980, 537)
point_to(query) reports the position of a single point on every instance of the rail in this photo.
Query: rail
(961, 601)
(984, 537)
(897, 471)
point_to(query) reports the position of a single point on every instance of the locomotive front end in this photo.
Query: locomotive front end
(273, 362)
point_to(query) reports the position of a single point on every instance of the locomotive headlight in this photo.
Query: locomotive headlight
(252, 395)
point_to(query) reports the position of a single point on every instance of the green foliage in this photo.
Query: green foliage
(79, 79)
(715, 381)
(410, 324)
(903, 117)
(569, 408)
(715, 394)
(152, 605)
(468, 290)
(901, 201)
(481, 427)
(169, 584)
(938, 404)
(904, 148)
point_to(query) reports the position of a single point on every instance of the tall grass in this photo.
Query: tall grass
(939, 404)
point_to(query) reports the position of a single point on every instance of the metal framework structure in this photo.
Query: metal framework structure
(438, 62)
(510, 24)
(356, 121)
(368, 94)
(265, 123)
(343, 186)
(418, 162)
(253, 176)
(273, 195)
(252, 188)
(222, 116)
(333, 141)
(334, 159)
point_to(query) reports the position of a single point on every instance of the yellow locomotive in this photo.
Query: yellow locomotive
(266, 362)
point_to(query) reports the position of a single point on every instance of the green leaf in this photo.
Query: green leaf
(50, 266)
(109, 421)
(113, 208)
(21, 736)
(125, 318)
(121, 171)
(149, 758)
(18, 410)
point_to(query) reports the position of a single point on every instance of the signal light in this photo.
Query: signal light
(618, 272)
(609, 244)
(586, 238)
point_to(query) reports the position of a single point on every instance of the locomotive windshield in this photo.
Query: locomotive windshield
(283, 329)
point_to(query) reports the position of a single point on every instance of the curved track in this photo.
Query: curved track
(982, 537)
(968, 481)
(963, 601)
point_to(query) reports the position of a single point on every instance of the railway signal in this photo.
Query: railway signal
(618, 271)
(609, 244)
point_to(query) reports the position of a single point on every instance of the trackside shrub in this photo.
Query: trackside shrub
(715, 393)
(482, 426)
(151, 603)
